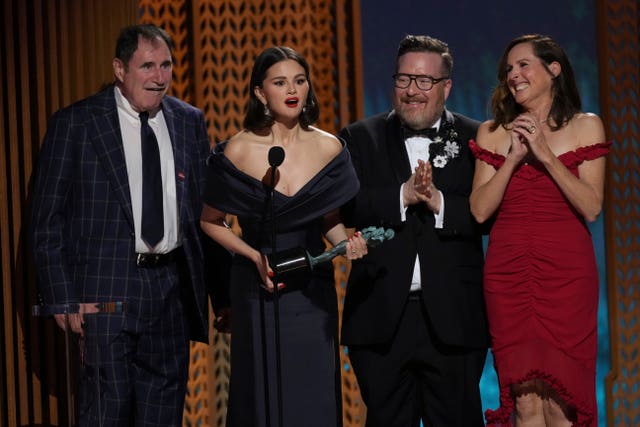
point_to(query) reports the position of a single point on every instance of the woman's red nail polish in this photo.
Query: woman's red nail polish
(270, 273)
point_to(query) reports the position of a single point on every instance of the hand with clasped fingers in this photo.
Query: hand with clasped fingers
(528, 139)
(419, 188)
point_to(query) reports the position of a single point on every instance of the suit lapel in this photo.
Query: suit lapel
(109, 148)
(396, 148)
(446, 117)
(173, 120)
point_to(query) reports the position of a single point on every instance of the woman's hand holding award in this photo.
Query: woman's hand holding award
(297, 259)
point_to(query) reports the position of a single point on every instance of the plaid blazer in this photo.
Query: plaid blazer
(82, 222)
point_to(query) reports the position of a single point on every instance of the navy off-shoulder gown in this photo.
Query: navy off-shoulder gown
(307, 306)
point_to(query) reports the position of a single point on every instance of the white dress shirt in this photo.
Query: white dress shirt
(130, 129)
(418, 148)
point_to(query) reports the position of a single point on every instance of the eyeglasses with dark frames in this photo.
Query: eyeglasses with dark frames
(423, 82)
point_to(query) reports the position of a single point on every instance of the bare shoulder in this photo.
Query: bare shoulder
(491, 139)
(590, 121)
(328, 144)
(588, 128)
(236, 148)
(485, 128)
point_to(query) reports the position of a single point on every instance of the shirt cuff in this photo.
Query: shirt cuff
(439, 217)
(403, 209)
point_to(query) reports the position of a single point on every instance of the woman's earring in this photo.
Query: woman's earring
(267, 112)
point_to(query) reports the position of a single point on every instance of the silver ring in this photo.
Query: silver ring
(532, 129)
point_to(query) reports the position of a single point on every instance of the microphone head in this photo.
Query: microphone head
(276, 156)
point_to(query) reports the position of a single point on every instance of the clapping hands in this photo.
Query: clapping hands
(419, 188)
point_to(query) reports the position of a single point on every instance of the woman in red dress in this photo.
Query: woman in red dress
(540, 173)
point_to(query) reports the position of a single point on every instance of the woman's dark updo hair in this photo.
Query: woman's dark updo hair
(256, 120)
(566, 98)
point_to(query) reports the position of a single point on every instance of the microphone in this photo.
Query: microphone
(276, 156)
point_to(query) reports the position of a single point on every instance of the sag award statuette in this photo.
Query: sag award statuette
(297, 259)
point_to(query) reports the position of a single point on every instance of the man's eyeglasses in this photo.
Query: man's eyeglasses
(403, 81)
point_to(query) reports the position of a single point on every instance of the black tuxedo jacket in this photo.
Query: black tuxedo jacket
(451, 258)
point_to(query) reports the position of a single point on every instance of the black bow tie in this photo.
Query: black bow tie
(430, 133)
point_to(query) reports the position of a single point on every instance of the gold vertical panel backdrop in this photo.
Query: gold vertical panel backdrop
(619, 49)
(51, 54)
(55, 52)
(216, 43)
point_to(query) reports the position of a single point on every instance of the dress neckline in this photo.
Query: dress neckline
(219, 151)
(587, 152)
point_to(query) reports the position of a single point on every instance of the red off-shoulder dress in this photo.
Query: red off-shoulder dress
(541, 289)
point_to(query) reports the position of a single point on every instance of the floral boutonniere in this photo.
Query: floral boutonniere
(444, 146)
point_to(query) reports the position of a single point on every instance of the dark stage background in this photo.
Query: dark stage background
(477, 33)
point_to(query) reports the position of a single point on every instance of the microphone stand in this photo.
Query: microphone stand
(265, 365)
(276, 298)
(276, 157)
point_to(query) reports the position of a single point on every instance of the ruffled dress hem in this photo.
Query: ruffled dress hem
(502, 417)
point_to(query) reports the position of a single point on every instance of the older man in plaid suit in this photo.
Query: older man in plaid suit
(112, 222)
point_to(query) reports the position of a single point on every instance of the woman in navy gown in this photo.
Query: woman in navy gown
(313, 181)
